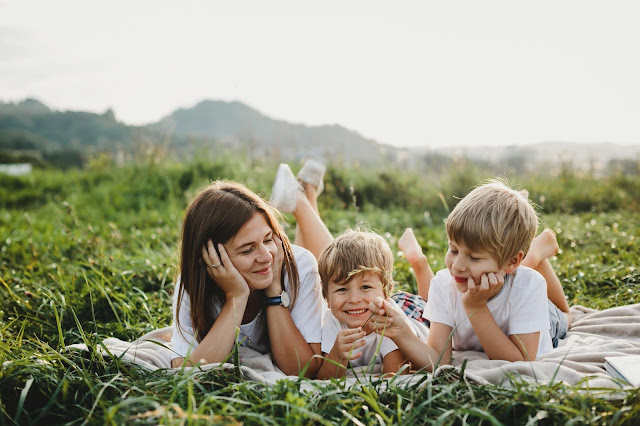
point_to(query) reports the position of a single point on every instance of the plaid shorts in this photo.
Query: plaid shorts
(412, 305)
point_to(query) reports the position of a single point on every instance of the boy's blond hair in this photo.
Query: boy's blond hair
(356, 252)
(496, 219)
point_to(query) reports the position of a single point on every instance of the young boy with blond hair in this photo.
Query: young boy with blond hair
(485, 298)
(356, 269)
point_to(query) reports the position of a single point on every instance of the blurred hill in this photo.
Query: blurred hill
(31, 131)
(236, 125)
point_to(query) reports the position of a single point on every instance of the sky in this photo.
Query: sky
(406, 73)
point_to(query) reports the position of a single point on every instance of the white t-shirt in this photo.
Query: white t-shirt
(520, 307)
(306, 313)
(332, 326)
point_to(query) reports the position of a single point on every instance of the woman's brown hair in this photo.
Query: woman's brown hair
(217, 213)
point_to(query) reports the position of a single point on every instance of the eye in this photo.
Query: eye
(341, 290)
(366, 287)
(247, 251)
(453, 251)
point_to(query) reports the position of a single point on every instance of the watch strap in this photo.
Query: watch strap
(273, 301)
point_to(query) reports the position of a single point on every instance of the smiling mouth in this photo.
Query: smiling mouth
(264, 271)
(461, 280)
(357, 311)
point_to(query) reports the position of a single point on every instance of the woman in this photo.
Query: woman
(239, 270)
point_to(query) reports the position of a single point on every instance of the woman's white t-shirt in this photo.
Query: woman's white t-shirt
(306, 313)
(520, 307)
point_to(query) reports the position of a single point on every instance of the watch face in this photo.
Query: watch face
(285, 299)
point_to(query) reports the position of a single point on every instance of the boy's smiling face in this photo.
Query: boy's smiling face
(349, 301)
(464, 263)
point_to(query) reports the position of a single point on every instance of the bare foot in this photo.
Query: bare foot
(410, 246)
(544, 246)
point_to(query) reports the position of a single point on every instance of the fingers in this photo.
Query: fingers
(484, 282)
(471, 285)
(224, 257)
(209, 255)
(350, 335)
(494, 280)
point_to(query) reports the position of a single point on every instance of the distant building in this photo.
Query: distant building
(21, 169)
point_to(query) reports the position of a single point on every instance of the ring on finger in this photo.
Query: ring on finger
(215, 266)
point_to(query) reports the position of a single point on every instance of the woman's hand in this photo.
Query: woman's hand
(221, 270)
(275, 289)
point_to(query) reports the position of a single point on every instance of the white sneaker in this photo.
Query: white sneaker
(312, 173)
(284, 194)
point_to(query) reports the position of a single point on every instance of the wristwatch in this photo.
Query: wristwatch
(282, 300)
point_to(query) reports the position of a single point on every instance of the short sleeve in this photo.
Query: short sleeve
(439, 305)
(330, 329)
(183, 339)
(309, 305)
(531, 312)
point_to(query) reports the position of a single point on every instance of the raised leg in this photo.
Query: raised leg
(418, 261)
(311, 232)
(544, 246)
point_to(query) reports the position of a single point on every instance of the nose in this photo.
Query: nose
(264, 255)
(355, 296)
(459, 264)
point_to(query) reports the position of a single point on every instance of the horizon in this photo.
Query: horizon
(411, 75)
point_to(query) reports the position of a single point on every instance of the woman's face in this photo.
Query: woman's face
(252, 251)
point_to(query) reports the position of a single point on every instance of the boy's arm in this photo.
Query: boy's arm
(496, 344)
(392, 362)
(391, 322)
(344, 349)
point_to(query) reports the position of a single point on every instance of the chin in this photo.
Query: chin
(260, 284)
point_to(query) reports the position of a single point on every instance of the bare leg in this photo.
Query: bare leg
(542, 248)
(413, 252)
(311, 232)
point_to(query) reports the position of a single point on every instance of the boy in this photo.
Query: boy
(355, 269)
(486, 296)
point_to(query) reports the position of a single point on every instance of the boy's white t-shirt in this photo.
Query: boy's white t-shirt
(306, 313)
(521, 307)
(330, 328)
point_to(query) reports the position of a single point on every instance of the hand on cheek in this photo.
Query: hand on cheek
(479, 293)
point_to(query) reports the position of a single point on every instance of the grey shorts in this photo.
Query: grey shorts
(558, 323)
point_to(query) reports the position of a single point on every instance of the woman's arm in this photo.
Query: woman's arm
(290, 350)
(219, 341)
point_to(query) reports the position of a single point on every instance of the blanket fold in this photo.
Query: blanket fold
(579, 359)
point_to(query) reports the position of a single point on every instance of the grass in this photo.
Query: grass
(86, 255)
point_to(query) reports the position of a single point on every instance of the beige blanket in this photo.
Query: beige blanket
(578, 360)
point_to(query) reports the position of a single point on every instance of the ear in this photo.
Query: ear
(514, 262)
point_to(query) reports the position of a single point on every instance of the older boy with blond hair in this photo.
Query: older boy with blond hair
(485, 298)
(356, 268)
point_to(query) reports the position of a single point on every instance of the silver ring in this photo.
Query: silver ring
(215, 266)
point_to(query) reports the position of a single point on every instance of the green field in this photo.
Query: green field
(90, 254)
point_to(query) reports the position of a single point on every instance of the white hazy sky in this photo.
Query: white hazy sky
(410, 73)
